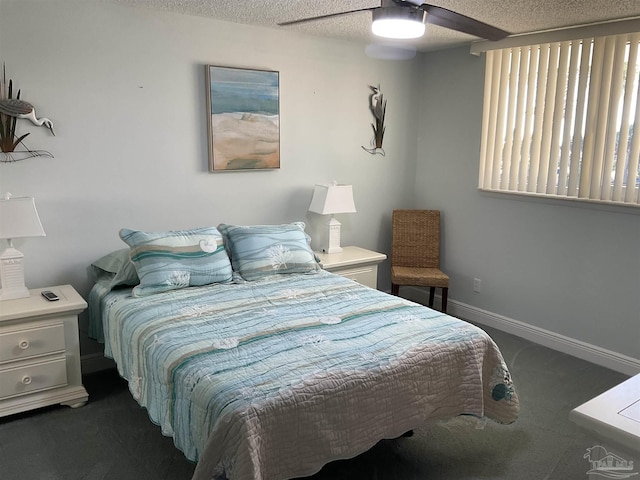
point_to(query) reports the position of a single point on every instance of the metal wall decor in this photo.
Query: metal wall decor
(378, 107)
(11, 110)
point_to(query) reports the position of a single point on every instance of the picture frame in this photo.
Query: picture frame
(243, 118)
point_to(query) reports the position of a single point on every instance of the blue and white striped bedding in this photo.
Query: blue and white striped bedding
(272, 379)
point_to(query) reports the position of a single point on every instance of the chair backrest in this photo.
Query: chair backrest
(415, 239)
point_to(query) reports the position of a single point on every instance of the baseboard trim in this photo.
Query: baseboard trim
(571, 346)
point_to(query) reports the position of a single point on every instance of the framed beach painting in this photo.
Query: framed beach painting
(243, 109)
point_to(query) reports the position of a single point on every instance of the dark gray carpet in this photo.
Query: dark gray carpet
(112, 437)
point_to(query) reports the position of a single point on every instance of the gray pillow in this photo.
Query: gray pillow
(116, 267)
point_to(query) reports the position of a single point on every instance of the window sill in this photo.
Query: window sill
(617, 207)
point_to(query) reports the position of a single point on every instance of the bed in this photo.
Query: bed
(273, 377)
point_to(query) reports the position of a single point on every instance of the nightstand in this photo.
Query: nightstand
(40, 351)
(356, 263)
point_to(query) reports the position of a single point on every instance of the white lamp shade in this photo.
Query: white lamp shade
(330, 199)
(19, 218)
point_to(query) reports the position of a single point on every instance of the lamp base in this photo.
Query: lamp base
(333, 236)
(13, 294)
(12, 275)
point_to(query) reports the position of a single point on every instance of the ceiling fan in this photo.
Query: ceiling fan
(407, 19)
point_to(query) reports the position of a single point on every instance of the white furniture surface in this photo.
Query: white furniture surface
(614, 415)
(40, 351)
(356, 263)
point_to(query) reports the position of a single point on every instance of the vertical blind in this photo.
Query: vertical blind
(559, 120)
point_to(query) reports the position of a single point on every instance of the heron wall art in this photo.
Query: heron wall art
(378, 107)
(11, 110)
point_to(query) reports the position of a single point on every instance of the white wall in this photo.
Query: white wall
(125, 89)
(567, 268)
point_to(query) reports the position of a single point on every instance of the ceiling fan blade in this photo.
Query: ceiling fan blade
(456, 21)
(322, 17)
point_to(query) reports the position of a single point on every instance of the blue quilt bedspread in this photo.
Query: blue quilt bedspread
(274, 378)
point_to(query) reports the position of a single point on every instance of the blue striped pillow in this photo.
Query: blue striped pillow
(177, 259)
(260, 250)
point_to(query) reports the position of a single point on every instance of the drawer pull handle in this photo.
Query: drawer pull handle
(24, 344)
(26, 380)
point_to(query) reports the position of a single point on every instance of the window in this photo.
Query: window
(559, 120)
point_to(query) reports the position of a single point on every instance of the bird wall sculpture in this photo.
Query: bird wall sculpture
(378, 107)
(14, 107)
(11, 110)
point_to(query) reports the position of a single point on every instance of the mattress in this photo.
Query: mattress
(274, 378)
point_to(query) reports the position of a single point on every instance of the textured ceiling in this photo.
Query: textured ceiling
(514, 16)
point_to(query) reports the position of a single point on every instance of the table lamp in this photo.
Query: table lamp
(330, 200)
(18, 219)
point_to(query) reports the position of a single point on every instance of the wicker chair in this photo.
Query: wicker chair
(415, 252)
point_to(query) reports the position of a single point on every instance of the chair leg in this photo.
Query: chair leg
(432, 293)
(445, 293)
(395, 289)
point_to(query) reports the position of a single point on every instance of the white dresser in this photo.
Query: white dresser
(40, 352)
(356, 263)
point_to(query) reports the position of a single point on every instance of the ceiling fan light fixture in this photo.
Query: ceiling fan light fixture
(398, 22)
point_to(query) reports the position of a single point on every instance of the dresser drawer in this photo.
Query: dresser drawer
(364, 275)
(33, 377)
(355, 263)
(17, 343)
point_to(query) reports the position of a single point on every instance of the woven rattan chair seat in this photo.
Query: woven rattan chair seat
(421, 277)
